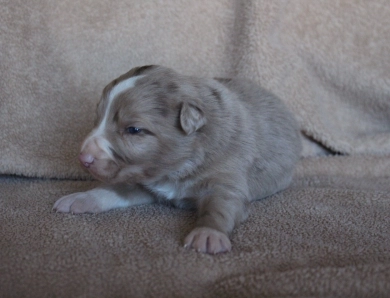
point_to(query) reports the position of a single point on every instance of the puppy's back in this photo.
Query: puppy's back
(272, 138)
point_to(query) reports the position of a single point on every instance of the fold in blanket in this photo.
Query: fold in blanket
(328, 60)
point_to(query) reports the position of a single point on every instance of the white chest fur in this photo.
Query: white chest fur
(168, 189)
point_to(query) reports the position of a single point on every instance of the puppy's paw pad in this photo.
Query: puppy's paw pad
(77, 203)
(207, 240)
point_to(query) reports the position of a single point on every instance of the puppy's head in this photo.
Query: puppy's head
(147, 127)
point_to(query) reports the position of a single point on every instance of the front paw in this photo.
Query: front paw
(207, 240)
(80, 202)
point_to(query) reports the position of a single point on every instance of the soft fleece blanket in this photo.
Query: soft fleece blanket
(328, 60)
(326, 236)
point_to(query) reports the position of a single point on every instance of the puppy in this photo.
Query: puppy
(210, 144)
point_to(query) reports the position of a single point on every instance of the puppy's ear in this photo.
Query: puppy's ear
(191, 117)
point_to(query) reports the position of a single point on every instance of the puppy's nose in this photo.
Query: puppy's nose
(86, 159)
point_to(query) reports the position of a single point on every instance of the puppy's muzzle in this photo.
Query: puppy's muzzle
(96, 158)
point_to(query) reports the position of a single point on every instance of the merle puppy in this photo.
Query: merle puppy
(211, 144)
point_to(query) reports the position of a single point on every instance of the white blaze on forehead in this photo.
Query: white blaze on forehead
(99, 131)
(122, 86)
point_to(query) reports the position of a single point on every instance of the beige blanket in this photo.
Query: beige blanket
(327, 236)
(328, 60)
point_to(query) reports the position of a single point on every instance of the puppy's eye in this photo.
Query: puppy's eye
(133, 130)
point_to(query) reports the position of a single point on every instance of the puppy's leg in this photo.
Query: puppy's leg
(219, 213)
(103, 198)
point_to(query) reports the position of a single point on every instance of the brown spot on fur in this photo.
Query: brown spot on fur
(216, 95)
(161, 106)
(172, 87)
(223, 80)
(141, 69)
(162, 110)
